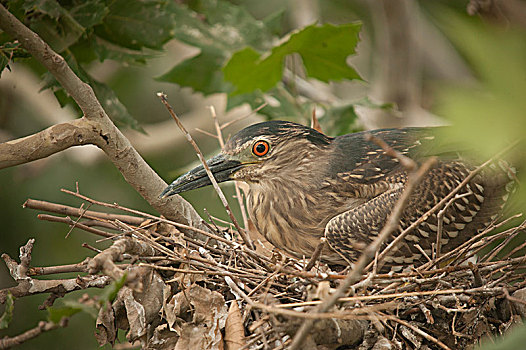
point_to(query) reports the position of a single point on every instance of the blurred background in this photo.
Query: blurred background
(421, 63)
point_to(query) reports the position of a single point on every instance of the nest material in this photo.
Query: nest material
(185, 293)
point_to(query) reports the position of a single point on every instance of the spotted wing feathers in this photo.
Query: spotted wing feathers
(470, 211)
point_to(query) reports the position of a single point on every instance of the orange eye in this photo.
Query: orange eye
(260, 148)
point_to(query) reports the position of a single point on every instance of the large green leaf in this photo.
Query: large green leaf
(324, 50)
(49, 7)
(202, 73)
(218, 28)
(137, 24)
(63, 24)
(89, 13)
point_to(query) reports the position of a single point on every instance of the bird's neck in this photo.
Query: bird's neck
(291, 213)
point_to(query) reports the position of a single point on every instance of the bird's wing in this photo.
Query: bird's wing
(363, 169)
(470, 211)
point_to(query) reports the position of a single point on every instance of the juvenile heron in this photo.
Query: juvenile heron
(304, 185)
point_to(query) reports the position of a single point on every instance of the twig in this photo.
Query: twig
(375, 297)
(236, 186)
(206, 133)
(51, 270)
(9, 342)
(493, 253)
(68, 221)
(316, 254)
(150, 216)
(265, 261)
(82, 212)
(207, 169)
(86, 245)
(420, 332)
(72, 211)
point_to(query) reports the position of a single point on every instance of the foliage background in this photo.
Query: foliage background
(465, 70)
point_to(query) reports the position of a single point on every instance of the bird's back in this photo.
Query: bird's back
(370, 172)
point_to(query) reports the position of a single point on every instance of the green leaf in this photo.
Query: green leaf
(54, 23)
(202, 73)
(110, 292)
(340, 120)
(7, 316)
(70, 308)
(89, 13)
(49, 7)
(59, 34)
(56, 314)
(218, 28)
(10, 51)
(247, 73)
(113, 106)
(138, 24)
(106, 50)
(324, 50)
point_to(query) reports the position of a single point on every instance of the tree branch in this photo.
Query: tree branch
(43, 326)
(46, 142)
(94, 128)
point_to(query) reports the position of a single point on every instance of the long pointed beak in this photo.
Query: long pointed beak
(222, 168)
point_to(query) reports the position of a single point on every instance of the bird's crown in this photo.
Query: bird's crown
(262, 137)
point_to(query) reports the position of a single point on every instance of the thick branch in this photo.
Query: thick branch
(31, 286)
(72, 211)
(105, 261)
(46, 142)
(96, 127)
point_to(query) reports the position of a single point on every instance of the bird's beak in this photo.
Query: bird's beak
(222, 167)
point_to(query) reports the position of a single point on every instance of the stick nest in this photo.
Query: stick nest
(188, 289)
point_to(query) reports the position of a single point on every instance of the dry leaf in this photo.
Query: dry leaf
(162, 339)
(106, 331)
(234, 330)
(209, 313)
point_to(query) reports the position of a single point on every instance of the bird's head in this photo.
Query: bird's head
(257, 153)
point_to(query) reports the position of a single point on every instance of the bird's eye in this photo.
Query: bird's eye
(260, 148)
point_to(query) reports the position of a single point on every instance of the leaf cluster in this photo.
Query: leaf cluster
(238, 54)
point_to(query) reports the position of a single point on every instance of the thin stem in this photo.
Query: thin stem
(207, 169)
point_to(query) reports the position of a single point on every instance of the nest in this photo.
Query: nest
(182, 288)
